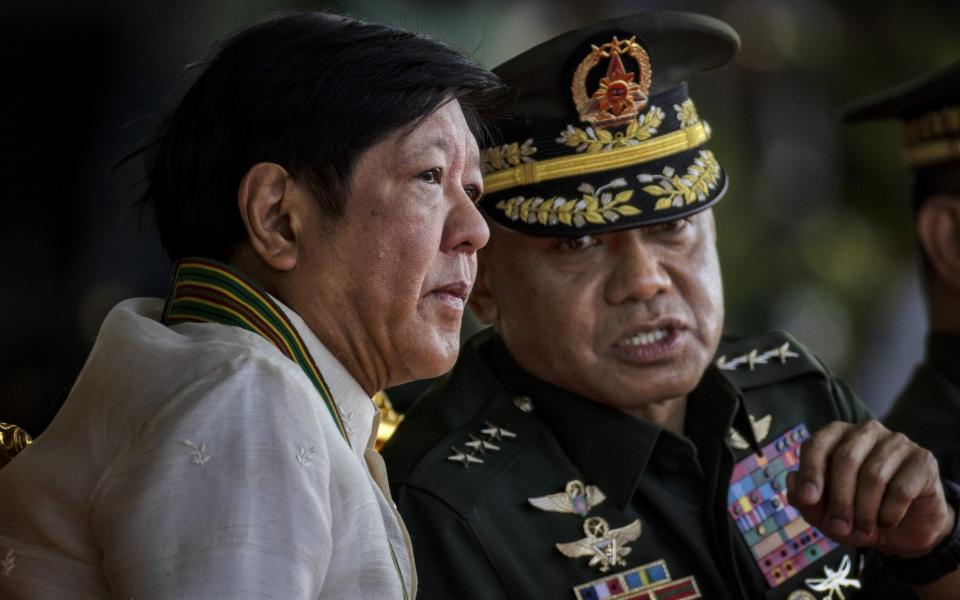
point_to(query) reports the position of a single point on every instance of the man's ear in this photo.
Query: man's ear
(482, 300)
(938, 227)
(265, 202)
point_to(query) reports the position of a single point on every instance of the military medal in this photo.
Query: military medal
(575, 499)
(606, 547)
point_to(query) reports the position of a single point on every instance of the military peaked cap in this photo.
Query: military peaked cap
(599, 133)
(930, 110)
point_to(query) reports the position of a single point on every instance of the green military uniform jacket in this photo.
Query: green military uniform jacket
(928, 409)
(709, 513)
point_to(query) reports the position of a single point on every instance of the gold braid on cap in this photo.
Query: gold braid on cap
(529, 173)
(933, 137)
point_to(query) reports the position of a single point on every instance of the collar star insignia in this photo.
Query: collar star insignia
(606, 547)
(575, 499)
(761, 428)
(495, 432)
(464, 458)
(480, 445)
(754, 358)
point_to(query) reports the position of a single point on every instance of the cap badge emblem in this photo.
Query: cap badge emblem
(621, 94)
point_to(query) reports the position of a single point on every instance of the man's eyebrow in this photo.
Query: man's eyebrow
(435, 142)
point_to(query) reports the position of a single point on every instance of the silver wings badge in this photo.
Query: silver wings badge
(575, 499)
(606, 547)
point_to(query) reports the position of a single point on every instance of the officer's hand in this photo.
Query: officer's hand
(864, 485)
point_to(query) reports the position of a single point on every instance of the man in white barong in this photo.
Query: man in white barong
(316, 186)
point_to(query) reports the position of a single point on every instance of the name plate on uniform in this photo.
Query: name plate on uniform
(647, 582)
(781, 541)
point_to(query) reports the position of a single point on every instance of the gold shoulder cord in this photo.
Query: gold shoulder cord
(389, 418)
(13, 439)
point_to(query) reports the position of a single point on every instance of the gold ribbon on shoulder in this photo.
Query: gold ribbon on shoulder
(13, 439)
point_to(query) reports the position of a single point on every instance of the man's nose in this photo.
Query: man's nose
(638, 274)
(465, 230)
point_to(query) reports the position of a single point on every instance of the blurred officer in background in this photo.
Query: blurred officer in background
(928, 409)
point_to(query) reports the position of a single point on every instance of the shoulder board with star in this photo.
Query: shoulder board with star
(761, 360)
(471, 456)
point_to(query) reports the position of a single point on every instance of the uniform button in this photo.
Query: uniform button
(524, 403)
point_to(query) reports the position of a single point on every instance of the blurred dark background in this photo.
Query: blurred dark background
(815, 237)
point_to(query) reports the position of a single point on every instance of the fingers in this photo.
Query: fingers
(864, 485)
(907, 486)
(848, 456)
(807, 484)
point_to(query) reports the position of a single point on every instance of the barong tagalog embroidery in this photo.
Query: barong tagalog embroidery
(781, 542)
(606, 547)
(576, 498)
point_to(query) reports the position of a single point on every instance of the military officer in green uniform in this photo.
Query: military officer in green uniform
(928, 409)
(599, 441)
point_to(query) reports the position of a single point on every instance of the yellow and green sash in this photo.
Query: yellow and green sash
(205, 291)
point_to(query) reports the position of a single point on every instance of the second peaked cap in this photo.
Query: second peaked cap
(598, 132)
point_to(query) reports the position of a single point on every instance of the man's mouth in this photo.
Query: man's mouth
(652, 342)
(453, 294)
(646, 338)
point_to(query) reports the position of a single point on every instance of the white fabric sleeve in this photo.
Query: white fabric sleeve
(223, 493)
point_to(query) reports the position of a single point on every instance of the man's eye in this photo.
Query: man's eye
(473, 192)
(579, 243)
(669, 226)
(431, 175)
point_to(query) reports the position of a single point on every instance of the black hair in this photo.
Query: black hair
(310, 91)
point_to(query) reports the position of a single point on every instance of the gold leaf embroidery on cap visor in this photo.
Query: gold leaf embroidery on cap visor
(595, 139)
(675, 190)
(595, 206)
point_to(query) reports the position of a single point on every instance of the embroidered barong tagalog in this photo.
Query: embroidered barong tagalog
(782, 543)
(205, 291)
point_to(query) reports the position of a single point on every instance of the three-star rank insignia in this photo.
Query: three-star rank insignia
(477, 446)
(753, 358)
(622, 93)
(575, 499)
(761, 429)
(606, 547)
